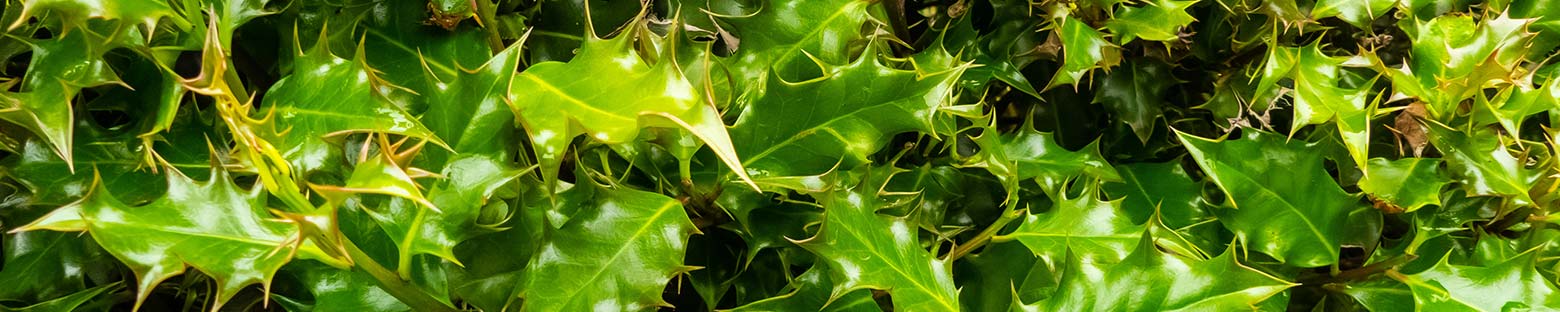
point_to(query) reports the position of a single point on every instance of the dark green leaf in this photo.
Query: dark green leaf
(1284, 202)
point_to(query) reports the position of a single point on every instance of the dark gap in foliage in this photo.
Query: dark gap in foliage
(188, 64)
(17, 65)
(1352, 257)
(884, 299)
(42, 33)
(110, 119)
(245, 181)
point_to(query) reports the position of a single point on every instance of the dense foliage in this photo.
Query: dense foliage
(779, 155)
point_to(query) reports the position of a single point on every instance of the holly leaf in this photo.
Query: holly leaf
(70, 302)
(1151, 280)
(1083, 49)
(42, 266)
(865, 250)
(1136, 93)
(1375, 294)
(469, 184)
(327, 96)
(1286, 13)
(450, 73)
(377, 175)
(1453, 57)
(960, 42)
(774, 41)
(1408, 183)
(324, 284)
(1513, 284)
(1545, 25)
(226, 15)
(1165, 194)
(1029, 154)
(773, 226)
(993, 278)
(498, 260)
(1084, 226)
(1483, 164)
(558, 101)
(114, 158)
(617, 253)
(76, 13)
(1509, 109)
(468, 110)
(1284, 202)
(206, 225)
(1317, 97)
(811, 291)
(1359, 13)
(1157, 20)
(1162, 188)
(1234, 96)
(60, 68)
(785, 133)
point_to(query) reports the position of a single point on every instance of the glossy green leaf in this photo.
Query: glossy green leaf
(77, 12)
(1285, 203)
(1136, 93)
(468, 184)
(617, 254)
(1511, 109)
(1028, 154)
(378, 175)
(865, 250)
(1083, 49)
(1376, 295)
(210, 226)
(785, 132)
(41, 265)
(326, 97)
(960, 42)
(1355, 12)
(556, 104)
(811, 292)
(1162, 188)
(1317, 97)
(332, 289)
(467, 108)
(1151, 280)
(60, 68)
(994, 276)
(70, 302)
(117, 159)
(1513, 284)
(1484, 166)
(1408, 183)
(1454, 56)
(1083, 226)
(780, 38)
(1158, 20)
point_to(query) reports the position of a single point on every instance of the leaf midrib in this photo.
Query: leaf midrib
(627, 242)
(874, 250)
(809, 131)
(790, 50)
(1142, 28)
(1287, 204)
(397, 43)
(550, 88)
(143, 228)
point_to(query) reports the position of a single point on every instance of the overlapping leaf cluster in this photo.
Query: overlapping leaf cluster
(775, 155)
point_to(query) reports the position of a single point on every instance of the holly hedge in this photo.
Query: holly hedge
(779, 155)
